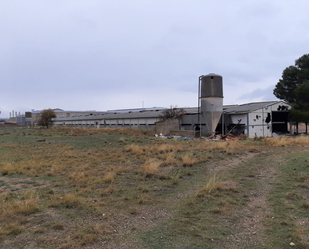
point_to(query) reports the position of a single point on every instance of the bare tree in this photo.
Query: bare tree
(172, 112)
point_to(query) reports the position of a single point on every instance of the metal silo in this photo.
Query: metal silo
(211, 100)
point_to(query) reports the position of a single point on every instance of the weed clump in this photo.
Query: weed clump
(26, 205)
(215, 184)
(109, 177)
(170, 160)
(288, 141)
(188, 160)
(211, 186)
(58, 226)
(150, 167)
(11, 229)
(135, 149)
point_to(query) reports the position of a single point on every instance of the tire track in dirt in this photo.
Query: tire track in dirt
(250, 230)
(148, 218)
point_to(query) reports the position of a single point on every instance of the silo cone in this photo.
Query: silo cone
(211, 101)
(211, 112)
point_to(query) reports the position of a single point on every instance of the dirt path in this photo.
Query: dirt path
(250, 226)
(250, 217)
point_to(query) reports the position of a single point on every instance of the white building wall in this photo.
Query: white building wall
(126, 121)
(142, 121)
(255, 121)
(134, 121)
(256, 124)
(151, 121)
(236, 117)
(113, 121)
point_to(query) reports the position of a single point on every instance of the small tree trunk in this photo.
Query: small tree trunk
(296, 127)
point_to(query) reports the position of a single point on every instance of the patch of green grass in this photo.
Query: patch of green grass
(203, 219)
(290, 203)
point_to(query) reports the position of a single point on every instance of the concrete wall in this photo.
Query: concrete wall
(165, 127)
(110, 123)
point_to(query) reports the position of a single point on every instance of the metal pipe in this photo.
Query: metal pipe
(263, 121)
(199, 103)
(222, 125)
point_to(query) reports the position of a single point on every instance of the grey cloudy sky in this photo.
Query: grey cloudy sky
(111, 54)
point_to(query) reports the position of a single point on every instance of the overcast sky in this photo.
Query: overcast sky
(112, 54)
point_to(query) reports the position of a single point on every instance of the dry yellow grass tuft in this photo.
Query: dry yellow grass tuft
(144, 198)
(170, 159)
(150, 167)
(99, 228)
(212, 146)
(121, 140)
(288, 141)
(7, 168)
(77, 176)
(109, 177)
(166, 148)
(211, 185)
(135, 149)
(230, 147)
(12, 228)
(188, 160)
(70, 201)
(26, 205)
(107, 191)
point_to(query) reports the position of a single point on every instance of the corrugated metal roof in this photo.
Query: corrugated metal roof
(136, 110)
(249, 107)
(147, 114)
(142, 114)
(230, 109)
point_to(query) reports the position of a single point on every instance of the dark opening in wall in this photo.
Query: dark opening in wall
(237, 129)
(280, 121)
(268, 118)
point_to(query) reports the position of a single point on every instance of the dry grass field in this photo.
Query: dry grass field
(123, 188)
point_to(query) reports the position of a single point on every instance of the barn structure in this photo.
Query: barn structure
(263, 119)
(259, 119)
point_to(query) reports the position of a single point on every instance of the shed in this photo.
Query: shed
(259, 119)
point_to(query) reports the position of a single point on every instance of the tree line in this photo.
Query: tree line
(293, 88)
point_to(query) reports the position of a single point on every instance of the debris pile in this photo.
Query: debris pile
(229, 137)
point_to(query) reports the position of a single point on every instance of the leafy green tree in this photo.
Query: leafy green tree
(46, 117)
(294, 89)
(294, 85)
